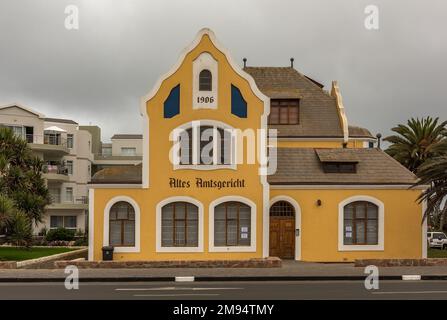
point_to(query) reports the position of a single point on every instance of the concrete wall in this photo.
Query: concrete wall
(117, 144)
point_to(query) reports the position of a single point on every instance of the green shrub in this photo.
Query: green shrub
(60, 234)
(20, 230)
(81, 242)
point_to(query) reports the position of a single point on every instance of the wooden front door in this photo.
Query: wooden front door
(282, 237)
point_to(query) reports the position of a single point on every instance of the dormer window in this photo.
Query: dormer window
(340, 167)
(284, 111)
(205, 80)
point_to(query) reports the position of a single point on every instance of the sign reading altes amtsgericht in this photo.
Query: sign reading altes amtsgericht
(208, 183)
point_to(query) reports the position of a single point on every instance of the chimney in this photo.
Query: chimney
(378, 136)
(245, 62)
(291, 62)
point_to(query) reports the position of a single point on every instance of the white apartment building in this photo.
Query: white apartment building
(71, 155)
(125, 149)
(67, 156)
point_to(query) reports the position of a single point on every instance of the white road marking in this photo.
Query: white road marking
(185, 279)
(176, 295)
(174, 289)
(411, 277)
(407, 292)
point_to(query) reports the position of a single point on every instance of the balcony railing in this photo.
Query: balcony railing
(56, 169)
(50, 139)
(56, 199)
(108, 156)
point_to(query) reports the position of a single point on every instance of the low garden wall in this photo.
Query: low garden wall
(252, 263)
(8, 265)
(402, 262)
(44, 262)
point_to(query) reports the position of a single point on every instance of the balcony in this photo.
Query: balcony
(57, 173)
(79, 203)
(108, 159)
(49, 144)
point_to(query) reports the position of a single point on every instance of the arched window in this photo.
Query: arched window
(179, 225)
(205, 145)
(361, 221)
(122, 225)
(282, 209)
(205, 80)
(232, 224)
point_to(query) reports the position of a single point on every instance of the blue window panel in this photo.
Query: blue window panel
(172, 103)
(238, 104)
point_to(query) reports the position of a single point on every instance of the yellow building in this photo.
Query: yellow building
(204, 190)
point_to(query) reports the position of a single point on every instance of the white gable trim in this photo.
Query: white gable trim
(40, 115)
(134, 204)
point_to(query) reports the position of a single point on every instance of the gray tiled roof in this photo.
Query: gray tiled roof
(127, 136)
(130, 174)
(60, 120)
(359, 132)
(336, 155)
(318, 111)
(302, 166)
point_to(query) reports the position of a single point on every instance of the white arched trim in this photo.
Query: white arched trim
(297, 208)
(195, 145)
(134, 204)
(205, 61)
(164, 202)
(252, 205)
(381, 225)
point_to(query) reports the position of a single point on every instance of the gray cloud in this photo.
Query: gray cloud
(98, 74)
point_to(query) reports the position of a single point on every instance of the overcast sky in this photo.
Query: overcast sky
(97, 74)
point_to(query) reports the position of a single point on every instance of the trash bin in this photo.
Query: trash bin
(107, 253)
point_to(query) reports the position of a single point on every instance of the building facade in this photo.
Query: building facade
(71, 155)
(66, 153)
(204, 190)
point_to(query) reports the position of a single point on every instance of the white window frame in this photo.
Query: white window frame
(70, 135)
(253, 230)
(134, 204)
(381, 225)
(63, 221)
(158, 219)
(174, 153)
(66, 199)
(72, 167)
(134, 154)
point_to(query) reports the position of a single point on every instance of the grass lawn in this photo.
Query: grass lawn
(436, 253)
(20, 254)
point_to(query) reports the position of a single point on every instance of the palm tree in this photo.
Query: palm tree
(418, 141)
(434, 174)
(6, 210)
(20, 176)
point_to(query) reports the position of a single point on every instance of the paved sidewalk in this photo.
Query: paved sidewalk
(290, 270)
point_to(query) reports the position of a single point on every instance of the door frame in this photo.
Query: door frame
(297, 208)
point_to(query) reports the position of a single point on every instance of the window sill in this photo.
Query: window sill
(204, 167)
(126, 249)
(179, 249)
(233, 249)
(374, 247)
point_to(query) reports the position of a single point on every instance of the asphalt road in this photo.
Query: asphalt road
(286, 290)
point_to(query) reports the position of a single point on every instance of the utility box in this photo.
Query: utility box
(107, 253)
